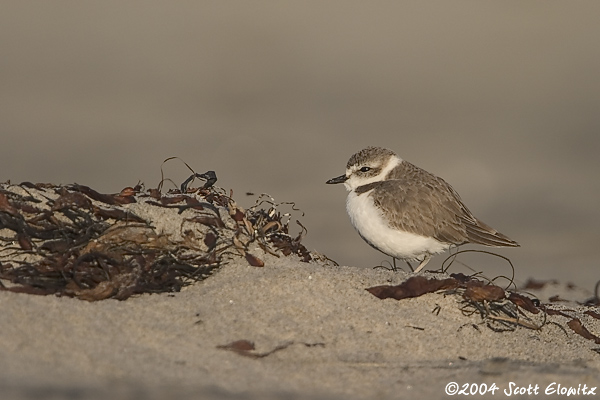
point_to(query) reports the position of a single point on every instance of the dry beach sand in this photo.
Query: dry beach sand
(317, 334)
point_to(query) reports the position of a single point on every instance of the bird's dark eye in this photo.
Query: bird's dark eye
(365, 169)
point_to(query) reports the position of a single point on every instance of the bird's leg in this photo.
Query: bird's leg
(423, 263)
(394, 268)
(409, 266)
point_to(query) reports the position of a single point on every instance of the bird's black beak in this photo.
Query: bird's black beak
(339, 179)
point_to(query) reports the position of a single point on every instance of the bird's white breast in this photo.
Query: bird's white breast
(372, 226)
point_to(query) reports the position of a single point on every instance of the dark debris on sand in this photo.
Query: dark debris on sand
(74, 241)
(500, 309)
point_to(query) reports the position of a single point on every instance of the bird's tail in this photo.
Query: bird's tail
(482, 233)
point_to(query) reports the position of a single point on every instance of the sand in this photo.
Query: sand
(341, 341)
(318, 334)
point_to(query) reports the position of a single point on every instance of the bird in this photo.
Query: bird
(406, 212)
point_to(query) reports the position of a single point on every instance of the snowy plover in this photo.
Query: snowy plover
(406, 212)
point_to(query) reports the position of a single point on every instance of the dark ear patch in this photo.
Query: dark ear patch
(365, 188)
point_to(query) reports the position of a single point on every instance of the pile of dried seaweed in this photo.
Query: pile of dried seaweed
(500, 309)
(73, 241)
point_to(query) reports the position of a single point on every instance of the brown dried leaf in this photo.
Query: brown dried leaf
(592, 314)
(237, 215)
(413, 287)
(128, 191)
(210, 240)
(154, 193)
(6, 207)
(254, 261)
(485, 292)
(238, 345)
(524, 302)
(577, 327)
(72, 200)
(24, 241)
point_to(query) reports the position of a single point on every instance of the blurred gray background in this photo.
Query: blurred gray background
(501, 99)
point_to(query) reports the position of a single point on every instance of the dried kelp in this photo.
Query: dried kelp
(501, 310)
(74, 241)
(413, 287)
(265, 225)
